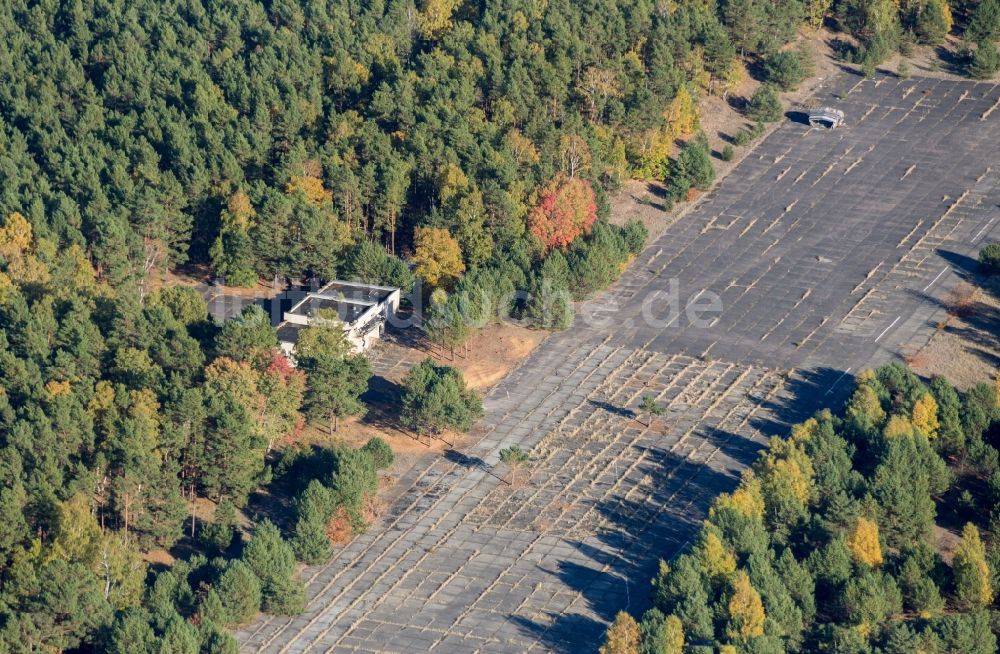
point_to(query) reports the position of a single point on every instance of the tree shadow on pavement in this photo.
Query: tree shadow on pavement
(663, 520)
(642, 529)
(806, 392)
(568, 633)
(964, 265)
(621, 411)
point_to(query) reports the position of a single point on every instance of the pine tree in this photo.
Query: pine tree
(232, 251)
(239, 592)
(313, 508)
(447, 325)
(934, 22)
(246, 337)
(550, 305)
(354, 480)
(61, 607)
(984, 24)
(436, 398)
(901, 490)
(271, 559)
(659, 634)
(920, 593)
(765, 105)
(683, 591)
(334, 387)
(693, 168)
(831, 565)
(380, 451)
(514, 458)
(219, 533)
(233, 456)
(951, 436)
(179, 637)
(651, 408)
(983, 61)
(215, 640)
(969, 633)
(131, 633)
(869, 599)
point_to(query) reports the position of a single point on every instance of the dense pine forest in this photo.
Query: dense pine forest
(835, 540)
(477, 141)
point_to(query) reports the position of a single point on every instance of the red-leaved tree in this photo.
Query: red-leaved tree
(567, 208)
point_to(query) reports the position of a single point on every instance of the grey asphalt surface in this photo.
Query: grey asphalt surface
(830, 252)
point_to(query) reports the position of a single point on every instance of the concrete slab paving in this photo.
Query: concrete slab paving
(830, 251)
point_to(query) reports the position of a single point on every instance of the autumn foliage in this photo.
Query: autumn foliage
(746, 610)
(864, 543)
(972, 573)
(438, 256)
(567, 208)
(622, 636)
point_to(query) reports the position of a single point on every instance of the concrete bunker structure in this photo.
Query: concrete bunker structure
(362, 308)
(826, 117)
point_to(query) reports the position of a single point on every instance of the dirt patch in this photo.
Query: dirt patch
(965, 349)
(159, 558)
(492, 353)
(946, 541)
(938, 61)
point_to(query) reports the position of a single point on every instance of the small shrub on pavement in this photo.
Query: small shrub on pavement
(989, 258)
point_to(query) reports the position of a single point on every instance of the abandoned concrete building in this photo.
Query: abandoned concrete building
(362, 308)
(827, 117)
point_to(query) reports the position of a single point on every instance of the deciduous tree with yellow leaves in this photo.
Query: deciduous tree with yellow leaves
(863, 542)
(716, 559)
(973, 586)
(898, 427)
(745, 608)
(622, 636)
(925, 416)
(437, 256)
(435, 17)
(747, 499)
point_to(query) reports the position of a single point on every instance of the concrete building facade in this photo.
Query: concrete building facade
(362, 308)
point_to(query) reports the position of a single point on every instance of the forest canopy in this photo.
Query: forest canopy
(265, 139)
(833, 542)
(297, 139)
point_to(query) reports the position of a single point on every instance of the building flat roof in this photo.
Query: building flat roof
(348, 310)
(357, 291)
(349, 299)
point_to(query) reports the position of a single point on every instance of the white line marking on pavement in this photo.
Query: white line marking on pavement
(887, 328)
(834, 385)
(985, 227)
(935, 279)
